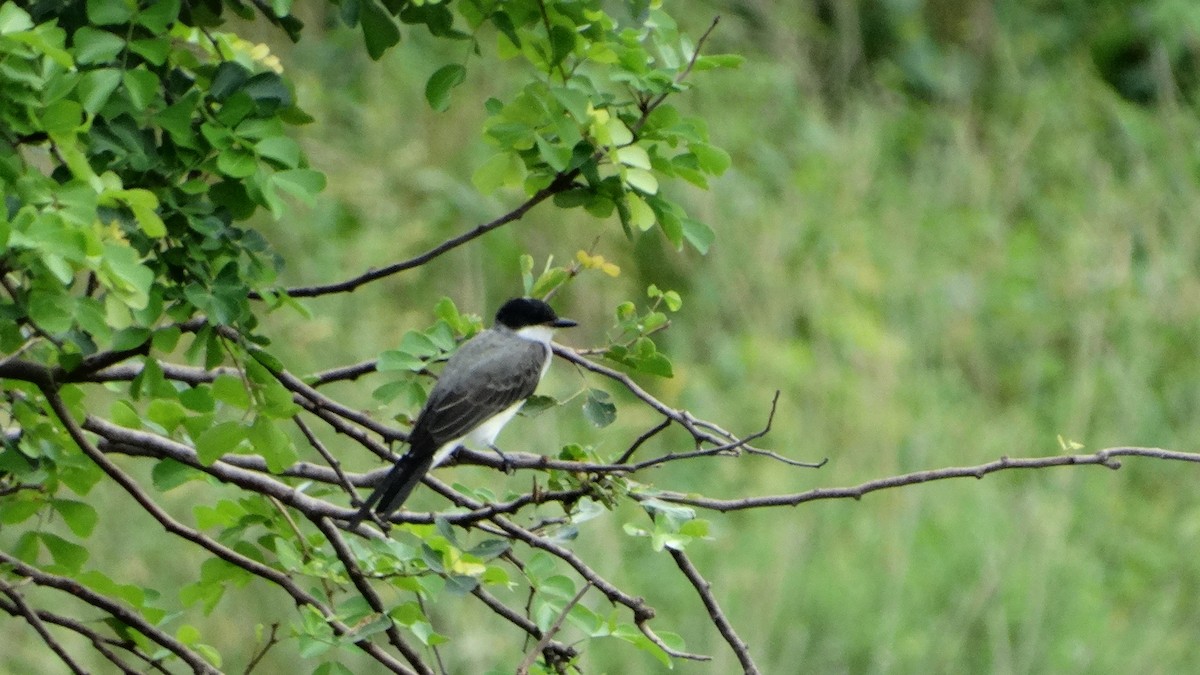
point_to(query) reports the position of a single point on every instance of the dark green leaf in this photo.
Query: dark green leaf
(168, 473)
(158, 15)
(380, 30)
(598, 408)
(562, 42)
(229, 78)
(444, 79)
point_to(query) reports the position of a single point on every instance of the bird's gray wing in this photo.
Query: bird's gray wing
(488, 374)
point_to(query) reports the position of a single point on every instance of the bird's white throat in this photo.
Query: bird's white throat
(542, 334)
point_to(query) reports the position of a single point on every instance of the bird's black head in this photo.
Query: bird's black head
(522, 312)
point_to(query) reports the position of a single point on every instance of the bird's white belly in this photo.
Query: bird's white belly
(482, 437)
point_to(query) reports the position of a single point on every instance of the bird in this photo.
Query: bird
(481, 388)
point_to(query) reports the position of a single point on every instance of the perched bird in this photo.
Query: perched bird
(481, 388)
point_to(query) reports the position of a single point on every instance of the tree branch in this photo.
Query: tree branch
(112, 608)
(99, 642)
(714, 610)
(220, 550)
(25, 611)
(1101, 458)
(560, 183)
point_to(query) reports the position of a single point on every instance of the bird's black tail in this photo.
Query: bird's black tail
(396, 486)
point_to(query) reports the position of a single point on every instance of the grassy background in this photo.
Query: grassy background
(930, 280)
(952, 252)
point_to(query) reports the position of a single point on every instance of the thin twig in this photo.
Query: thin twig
(523, 669)
(327, 456)
(560, 183)
(650, 433)
(272, 640)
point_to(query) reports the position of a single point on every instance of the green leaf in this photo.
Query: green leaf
(126, 275)
(166, 413)
(562, 42)
(69, 555)
(301, 183)
(641, 215)
(51, 310)
(380, 30)
(500, 170)
(168, 473)
(144, 205)
(699, 235)
(557, 156)
(110, 12)
(218, 440)
(142, 87)
(62, 117)
(634, 156)
(395, 359)
(157, 16)
(154, 50)
(272, 443)
(712, 160)
(81, 517)
(237, 162)
(280, 149)
(13, 19)
(641, 179)
(95, 86)
(231, 389)
(96, 46)
(599, 409)
(444, 79)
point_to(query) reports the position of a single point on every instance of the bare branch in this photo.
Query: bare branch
(343, 373)
(637, 443)
(561, 182)
(272, 640)
(683, 74)
(714, 611)
(1100, 458)
(327, 456)
(701, 430)
(25, 611)
(112, 608)
(100, 643)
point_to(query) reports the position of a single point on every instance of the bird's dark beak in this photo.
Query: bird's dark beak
(562, 323)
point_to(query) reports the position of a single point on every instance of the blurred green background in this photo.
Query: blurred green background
(953, 230)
